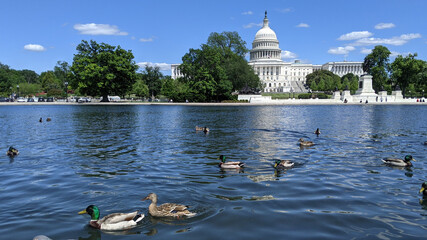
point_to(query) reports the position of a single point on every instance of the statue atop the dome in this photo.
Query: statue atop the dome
(265, 13)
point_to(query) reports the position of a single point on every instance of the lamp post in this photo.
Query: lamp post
(66, 91)
(423, 93)
(17, 87)
(410, 94)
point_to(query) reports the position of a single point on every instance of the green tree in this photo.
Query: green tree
(28, 89)
(233, 49)
(140, 89)
(351, 81)
(102, 70)
(376, 64)
(175, 89)
(49, 81)
(313, 86)
(62, 71)
(227, 43)
(408, 70)
(324, 80)
(202, 70)
(321, 85)
(240, 74)
(153, 78)
(30, 76)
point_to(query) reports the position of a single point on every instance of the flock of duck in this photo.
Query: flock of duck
(125, 221)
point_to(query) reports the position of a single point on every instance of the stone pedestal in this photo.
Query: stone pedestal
(346, 96)
(336, 95)
(397, 95)
(382, 96)
(365, 91)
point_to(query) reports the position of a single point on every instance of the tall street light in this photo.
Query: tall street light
(17, 87)
(66, 91)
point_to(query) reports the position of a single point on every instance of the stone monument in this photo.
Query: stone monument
(337, 94)
(346, 95)
(382, 95)
(397, 94)
(365, 91)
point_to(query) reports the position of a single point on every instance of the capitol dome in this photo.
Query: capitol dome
(265, 45)
(265, 32)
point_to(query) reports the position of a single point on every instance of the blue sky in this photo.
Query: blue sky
(36, 34)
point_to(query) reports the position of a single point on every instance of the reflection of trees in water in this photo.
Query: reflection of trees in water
(104, 133)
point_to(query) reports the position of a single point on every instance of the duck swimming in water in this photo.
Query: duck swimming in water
(229, 165)
(12, 152)
(279, 164)
(305, 143)
(167, 209)
(317, 132)
(397, 162)
(204, 129)
(423, 189)
(114, 221)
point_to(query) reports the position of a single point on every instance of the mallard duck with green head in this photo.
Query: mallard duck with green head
(280, 164)
(397, 162)
(303, 143)
(229, 165)
(114, 221)
(167, 209)
(12, 152)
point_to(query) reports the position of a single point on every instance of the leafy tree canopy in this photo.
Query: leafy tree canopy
(376, 64)
(227, 43)
(212, 72)
(152, 77)
(102, 70)
(409, 72)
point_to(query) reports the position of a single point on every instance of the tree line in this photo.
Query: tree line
(409, 73)
(210, 73)
(327, 81)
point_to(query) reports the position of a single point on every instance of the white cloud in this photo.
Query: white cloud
(288, 55)
(341, 50)
(355, 35)
(395, 54)
(251, 25)
(99, 29)
(303, 25)
(384, 25)
(146, 39)
(285, 10)
(34, 48)
(395, 41)
(247, 13)
(366, 51)
(162, 66)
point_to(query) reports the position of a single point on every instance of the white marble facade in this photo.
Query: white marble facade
(277, 75)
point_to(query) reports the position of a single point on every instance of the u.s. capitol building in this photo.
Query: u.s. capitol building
(277, 75)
